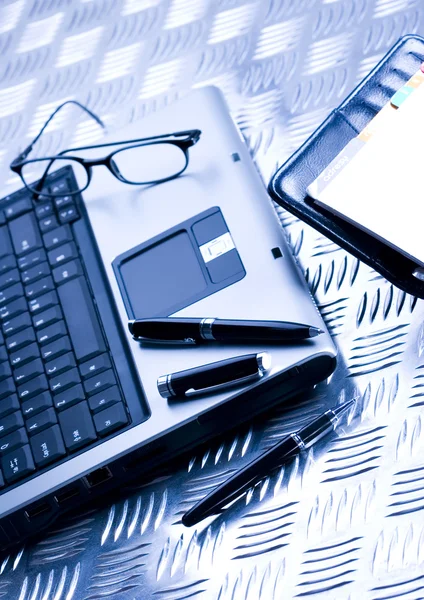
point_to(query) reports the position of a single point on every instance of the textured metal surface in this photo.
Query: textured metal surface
(347, 520)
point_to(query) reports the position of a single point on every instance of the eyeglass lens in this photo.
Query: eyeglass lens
(149, 163)
(135, 164)
(33, 171)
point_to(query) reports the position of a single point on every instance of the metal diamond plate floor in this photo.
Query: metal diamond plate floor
(345, 522)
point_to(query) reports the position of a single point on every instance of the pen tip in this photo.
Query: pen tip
(342, 408)
(314, 331)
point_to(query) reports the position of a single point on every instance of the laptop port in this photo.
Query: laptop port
(97, 477)
(66, 494)
(37, 510)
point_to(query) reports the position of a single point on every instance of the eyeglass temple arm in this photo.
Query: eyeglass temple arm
(22, 156)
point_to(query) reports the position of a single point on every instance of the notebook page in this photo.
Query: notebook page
(380, 189)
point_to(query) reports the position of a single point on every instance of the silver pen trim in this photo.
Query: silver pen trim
(165, 386)
(300, 443)
(205, 329)
(263, 360)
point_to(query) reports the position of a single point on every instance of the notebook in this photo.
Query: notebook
(373, 182)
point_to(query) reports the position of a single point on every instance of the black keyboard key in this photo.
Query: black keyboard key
(17, 464)
(14, 440)
(48, 446)
(1, 480)
(110, 419)
(68, 214)
(81, 318)
(65, 380)
(9, 278)
(13, 309)
(9, 405)
(48, 317)
(11, 293)
(39, 287)
(57, 237)
(32, 259)
(17, 324)
(24, 355)
(25, 234)
(7, 387)
(5, 371)
(43, 302)
(77, 426)
(45, 419)
(3, 353)
(67, 271)
(104, 399)
(33, 387)
(99, 382)
(44, 210)
(5, 243)
(69, 397)
(62, 201)
(7, 262)
(59, 187)
(21, 339)
(55, 349)
(18, 208)
(95, 365)
(51, 333)
(37, 272)
(62, 254)
(48, 223)
(42, 198)
(60, 365)
(28, 371)
(36, 404)
(10, 423)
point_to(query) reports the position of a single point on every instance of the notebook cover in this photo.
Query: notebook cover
(288, 185)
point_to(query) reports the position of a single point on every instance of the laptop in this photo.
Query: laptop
(80, 410)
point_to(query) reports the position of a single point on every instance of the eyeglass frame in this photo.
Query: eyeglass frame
(191, 136)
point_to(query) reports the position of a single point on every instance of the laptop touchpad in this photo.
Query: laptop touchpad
(179, 267)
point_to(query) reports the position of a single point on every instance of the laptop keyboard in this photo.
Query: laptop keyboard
(58, 387)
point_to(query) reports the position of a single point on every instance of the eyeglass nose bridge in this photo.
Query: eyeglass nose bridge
(92, 162)
(107, 162)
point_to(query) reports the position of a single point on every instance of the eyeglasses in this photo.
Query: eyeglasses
(141, 161)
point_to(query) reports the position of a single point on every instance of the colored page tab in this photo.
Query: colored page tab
(416, 80)
(377, 123)
(401, 95)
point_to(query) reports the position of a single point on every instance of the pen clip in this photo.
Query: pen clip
(185, 342)
(223, 386)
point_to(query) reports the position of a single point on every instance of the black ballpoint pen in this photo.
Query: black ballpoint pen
(257, 469)
(176, 330)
